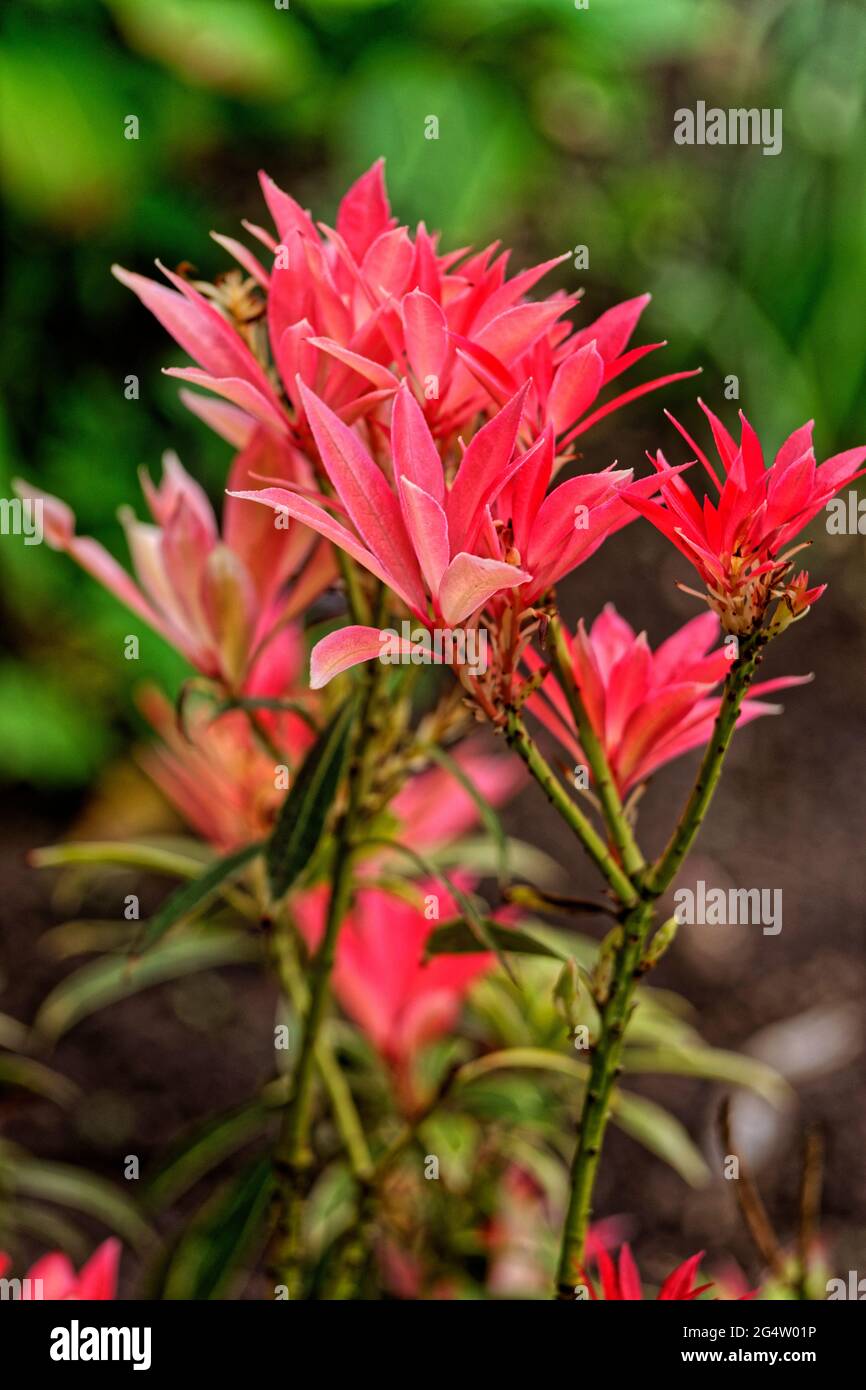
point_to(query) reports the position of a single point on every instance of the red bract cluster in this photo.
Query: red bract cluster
(217, 599)
(351, 311)
(646, 707)
(382, 980)
(53, 1277)
(622, 1282)
(742, 545)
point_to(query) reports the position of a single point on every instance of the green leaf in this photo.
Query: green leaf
(517, 1101)
(12, 1033)
(303, 814)
(644, 1121)
(155, 858)
(27, 1075)
(457, 938)
(534, 1058)
(254, 703)
(87, 937)
(195, 896)
(71, 1187)
(660, 1132)
(475, 854)
(485, 810)
(111, 979)
(210, 1143)
(711, 1064)
(46, 1225)
(208, 1253)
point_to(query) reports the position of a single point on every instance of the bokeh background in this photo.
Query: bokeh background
(555, 131)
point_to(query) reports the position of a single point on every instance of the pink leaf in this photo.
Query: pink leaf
(428, 531)
(369, 501)
(349, 646)
(575, 386)
(288, 215)
(415, 454)
(233, 425)
(315, 516)
(426, 335)
(364, 212)
(470, 581)
(484, 471)
(236, 390)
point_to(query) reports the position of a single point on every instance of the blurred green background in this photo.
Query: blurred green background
(555, 130)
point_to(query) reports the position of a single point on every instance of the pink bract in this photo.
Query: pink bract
(622, 1282)
(381, 979)
(97, 1278)
(741, 545)
(646, 707)
(447, 551)
(351, 311)
(217, 599)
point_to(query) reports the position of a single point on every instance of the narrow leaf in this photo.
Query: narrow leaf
(72, 1187)
(23, 1073)
(711, 1064)
(533, 1058)
(662, 1134)
(156, 858)
(48, 1226)
(304, 812)
(222, 1233)
(211, 1143)
(12, 1033)
(457, 938)
(485, 810)
(194, 897)
(106, 981)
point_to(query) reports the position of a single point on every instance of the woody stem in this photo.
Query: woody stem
(606, 1066)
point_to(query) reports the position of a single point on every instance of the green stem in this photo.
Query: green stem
(617, 822)
(519, 740)
(262, 735)
(628, 967)
(292, 1158)
(606, 1066)
(740, 677)
(355, 598)
(294, 987)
